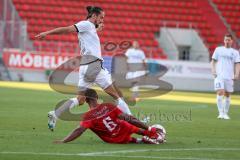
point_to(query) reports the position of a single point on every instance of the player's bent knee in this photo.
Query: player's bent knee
(221, 92)
(111, 91)
(227, 94)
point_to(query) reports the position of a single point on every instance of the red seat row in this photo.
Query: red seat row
(125, 19)
(230, 9)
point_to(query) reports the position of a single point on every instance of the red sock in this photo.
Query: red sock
(151, 134)
(146, 133)
(133, 140)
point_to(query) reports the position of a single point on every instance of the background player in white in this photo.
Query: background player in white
(90, 45)
(225, 68)
(136, 66)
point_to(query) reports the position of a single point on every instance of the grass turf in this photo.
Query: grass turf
(193, 131)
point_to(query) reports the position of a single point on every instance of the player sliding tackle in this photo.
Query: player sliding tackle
(112, 125)
(93, 71)
(225, 68)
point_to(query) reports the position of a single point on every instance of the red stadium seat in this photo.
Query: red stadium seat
(230, 9)
(125, 19)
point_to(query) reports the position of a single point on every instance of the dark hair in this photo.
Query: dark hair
(93, 10)
(90, 95)
(228, 35)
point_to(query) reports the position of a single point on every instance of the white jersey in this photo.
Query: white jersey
(226, 58)
(135, 55)
(89, 41)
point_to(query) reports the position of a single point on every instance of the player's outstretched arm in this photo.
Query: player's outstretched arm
(59, 30)
(72, 136)
(132, 120)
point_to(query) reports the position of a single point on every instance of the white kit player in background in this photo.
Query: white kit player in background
(92, 72)
(136, 66)
(225, 68)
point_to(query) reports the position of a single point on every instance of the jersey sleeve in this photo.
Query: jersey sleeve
(215, 54)
(117, 111)
(237, 57)
(82, 26)
(143, 55)
(86, 124)
(127, 53)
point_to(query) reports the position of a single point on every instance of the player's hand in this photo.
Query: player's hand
(214, 74)
(58, 142)
(41, 35)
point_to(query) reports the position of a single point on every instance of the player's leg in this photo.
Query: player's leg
(104, 80)
(136, 77)
(111, 90)
(135, 89)
(64, 107)
(145, 139)
(219, 87)
(229, 89)
(128, 129)
(119, 92)
(80, 98)
(220, 95)
(70, 103)
(226, 105)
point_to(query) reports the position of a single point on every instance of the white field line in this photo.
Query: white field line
(161, 150)
(109, 153)
(114, 156)
(161, 157)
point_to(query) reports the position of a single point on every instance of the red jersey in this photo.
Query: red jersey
(104, 122)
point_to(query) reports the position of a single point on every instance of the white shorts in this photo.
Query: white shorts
(226, 84)
(98, 75)
(132, 75)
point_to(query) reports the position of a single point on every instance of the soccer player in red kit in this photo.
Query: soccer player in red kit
(111, 124)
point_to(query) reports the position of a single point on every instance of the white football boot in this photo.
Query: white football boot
(225, 116)
(220, 116)
(52, 120)
(148, 140)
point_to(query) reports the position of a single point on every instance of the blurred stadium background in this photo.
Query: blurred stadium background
(179, 34)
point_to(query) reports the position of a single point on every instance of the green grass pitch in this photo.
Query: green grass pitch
(193, 131)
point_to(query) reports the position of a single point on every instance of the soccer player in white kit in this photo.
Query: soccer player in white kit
(90, 45)
(225, 68)
(137, 67)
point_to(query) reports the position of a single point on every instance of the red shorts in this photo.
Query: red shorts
(124, 135)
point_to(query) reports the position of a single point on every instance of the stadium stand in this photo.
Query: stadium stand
(230, 9)
(125, 19)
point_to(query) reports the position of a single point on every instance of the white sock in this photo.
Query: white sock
(123, 106)
(135, 90)
(138, 140)
(75, 102)
(227, 104)
(66, 106)
(219, 104)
